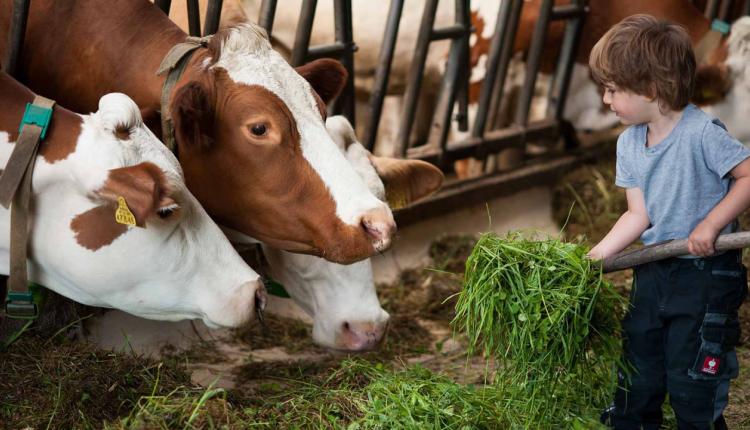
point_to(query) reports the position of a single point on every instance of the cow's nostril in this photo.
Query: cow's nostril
(380, 227)
(345, 326)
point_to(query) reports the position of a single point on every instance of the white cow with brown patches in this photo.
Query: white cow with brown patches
(175, 264)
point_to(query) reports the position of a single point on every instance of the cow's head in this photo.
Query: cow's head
(174, 264)
(341, 298)
(253, 144)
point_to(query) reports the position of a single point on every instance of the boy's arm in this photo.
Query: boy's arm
(628, 228)
(702, 238)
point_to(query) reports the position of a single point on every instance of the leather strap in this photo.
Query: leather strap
(15, 185)
(174, 63)
(710, 41)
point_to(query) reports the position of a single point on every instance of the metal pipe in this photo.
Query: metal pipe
(561, 83)
(304, 28)
(194, 17)
(164, 5)
(342, 10)
(414, 82)
(213, 17)
(493, 63)
(18, 21)
(532, 63)
(267, 14)
(568, 11)
(724, 9)
(455, 69)
(385, 59)
(506, 54)
(746, 8)
(711, 8)
(333, 50)
(450, 32)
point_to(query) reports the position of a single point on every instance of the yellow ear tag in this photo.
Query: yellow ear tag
(396, 199)
(123, 214)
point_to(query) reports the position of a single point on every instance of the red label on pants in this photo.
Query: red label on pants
(711, 365)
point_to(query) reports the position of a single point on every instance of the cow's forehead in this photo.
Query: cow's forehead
(248, 58)
(98, 144)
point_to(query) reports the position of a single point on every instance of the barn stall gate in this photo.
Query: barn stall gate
(486, 137)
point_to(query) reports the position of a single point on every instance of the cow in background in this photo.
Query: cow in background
(175, 264)
(249, 128)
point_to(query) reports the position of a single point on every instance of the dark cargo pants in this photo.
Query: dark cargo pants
(679, 335)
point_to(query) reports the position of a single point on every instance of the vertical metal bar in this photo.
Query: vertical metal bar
(164, 5)
(532, 64)
(493, 62)
(462, 96)
(19, 17)
(342, 9)
(415, 77)
(450, 85)
(711, 8)
(194, 17)
(304, 28)
(746, 8)
(267, 14)
(561, 83)
(213, 17)
(724, 9)
(385, 60)
(506, 53)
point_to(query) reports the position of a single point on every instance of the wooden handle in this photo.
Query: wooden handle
(671, 248)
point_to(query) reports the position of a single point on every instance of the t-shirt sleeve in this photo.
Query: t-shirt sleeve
(721, 151)
(623, 173)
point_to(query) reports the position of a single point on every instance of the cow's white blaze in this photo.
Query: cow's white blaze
(248, 58)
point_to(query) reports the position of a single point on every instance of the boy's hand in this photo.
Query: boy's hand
(702, 239)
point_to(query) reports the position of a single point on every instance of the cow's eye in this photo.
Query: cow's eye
(167, 211)
(258, 129)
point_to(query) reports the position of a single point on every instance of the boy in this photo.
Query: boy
(684, 177)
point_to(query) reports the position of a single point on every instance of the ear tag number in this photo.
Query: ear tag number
(123, 214)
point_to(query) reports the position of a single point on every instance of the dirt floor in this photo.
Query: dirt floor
(52, 382)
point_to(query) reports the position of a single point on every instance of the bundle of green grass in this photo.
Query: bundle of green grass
(544, 314)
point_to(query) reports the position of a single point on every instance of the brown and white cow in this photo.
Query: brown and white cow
(342, 299)
(175, 264)
(249, 128)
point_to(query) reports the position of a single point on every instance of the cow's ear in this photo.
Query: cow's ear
(407, 181)
(712, 82)
(142, 188)
(192, 111)
(326, 76)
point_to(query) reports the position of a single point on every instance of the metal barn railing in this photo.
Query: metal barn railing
(454, 87)
(725, 10)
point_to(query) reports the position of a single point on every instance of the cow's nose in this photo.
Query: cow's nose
(380, 227)
(361, 336)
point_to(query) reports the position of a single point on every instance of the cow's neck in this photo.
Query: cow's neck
(12, 105)
(75, 52)
(63, 129)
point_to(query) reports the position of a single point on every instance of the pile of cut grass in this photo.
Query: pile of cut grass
(544, 313)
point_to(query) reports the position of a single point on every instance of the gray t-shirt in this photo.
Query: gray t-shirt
(683, 177)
